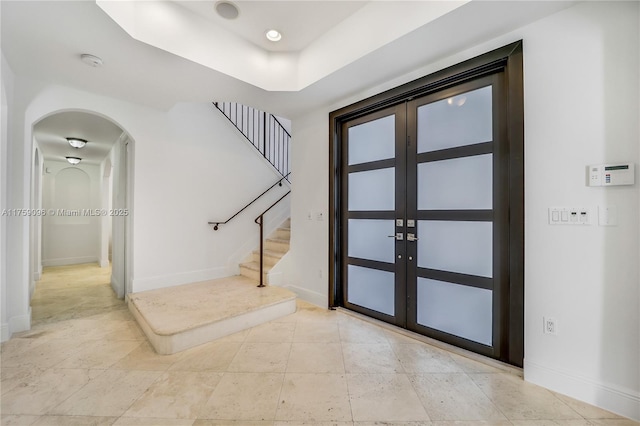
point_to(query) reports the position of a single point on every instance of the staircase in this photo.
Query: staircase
(181, 317)
(276, 246)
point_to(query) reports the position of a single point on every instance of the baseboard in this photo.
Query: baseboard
(37, 276)
(624, 402)
(20, 323)
(317, 299)
(104, 263)
(153, 283)
(70, 261)
(4, 332)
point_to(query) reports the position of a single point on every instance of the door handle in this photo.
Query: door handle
(411, 237)
(399, 236)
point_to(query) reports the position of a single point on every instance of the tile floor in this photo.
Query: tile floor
(86, 362)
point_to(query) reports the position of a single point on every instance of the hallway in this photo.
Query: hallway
(86, 362)
(75, 291)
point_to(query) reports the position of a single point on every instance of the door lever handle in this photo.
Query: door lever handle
(411, 237)
(399, 236)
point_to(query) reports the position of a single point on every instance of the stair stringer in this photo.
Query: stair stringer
(277, 276)
(276, 247)
(278, 215)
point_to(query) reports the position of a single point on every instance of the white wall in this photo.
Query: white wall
(106, 169)
(120, 279)
(35, 243)
(71, 240)
(581, 107)
(7, 102)
(16, 195)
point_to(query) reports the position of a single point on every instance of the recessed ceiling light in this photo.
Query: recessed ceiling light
(273, 35)
(91, 60)
(74, 160)
(76, 142)
(227, 10)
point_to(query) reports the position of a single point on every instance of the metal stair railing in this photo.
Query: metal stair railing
(263, 130)
(216, 223)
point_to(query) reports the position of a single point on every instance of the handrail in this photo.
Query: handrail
(217, 223)
(263, 130)
(283, 128)
(261, 218)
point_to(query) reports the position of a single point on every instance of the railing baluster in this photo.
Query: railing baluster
(263, 130)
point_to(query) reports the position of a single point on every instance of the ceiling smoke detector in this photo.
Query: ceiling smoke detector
(91, 60)
(227, 10)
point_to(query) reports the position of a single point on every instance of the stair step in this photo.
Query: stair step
(181, 317)
(270, 257)
(277, 244)
(254, 266)
(282, 234)
(251, 270)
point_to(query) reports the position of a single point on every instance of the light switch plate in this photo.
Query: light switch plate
(569, 216)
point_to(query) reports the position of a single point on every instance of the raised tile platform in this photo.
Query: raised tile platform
(181, 317)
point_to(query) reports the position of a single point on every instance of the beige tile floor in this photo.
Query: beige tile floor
(86, 362)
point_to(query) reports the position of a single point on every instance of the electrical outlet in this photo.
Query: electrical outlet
(550, 326)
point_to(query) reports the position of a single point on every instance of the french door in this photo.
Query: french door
(425, 187)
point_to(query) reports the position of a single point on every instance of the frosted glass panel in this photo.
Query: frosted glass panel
(372, 141)
(464, 119)
(458, 184)
(463, 247)
(368, 239)
(456, 309)
(372, 190)
(371, 289)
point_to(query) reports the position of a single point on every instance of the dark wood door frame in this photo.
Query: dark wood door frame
(507, 60)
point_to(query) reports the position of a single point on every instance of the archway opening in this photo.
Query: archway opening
(86, 207)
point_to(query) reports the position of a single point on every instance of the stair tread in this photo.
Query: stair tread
(254, 266)
(270, 253)
(279, 240)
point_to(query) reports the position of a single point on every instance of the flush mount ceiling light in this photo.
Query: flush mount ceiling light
(273, 35)
(91, 60)
(227, 10)
(74, 160)
(76, 142)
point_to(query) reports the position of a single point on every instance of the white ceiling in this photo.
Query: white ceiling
(300, 22)
(51, 133)
(325, 47)
(43, 41)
